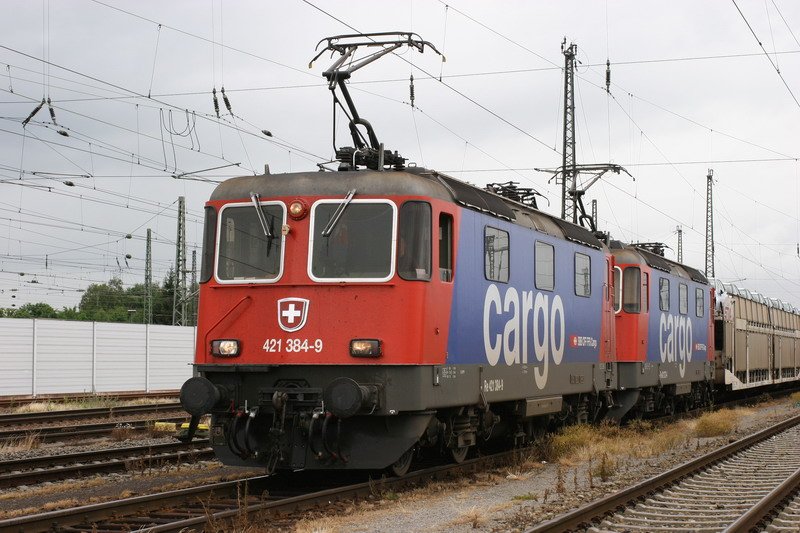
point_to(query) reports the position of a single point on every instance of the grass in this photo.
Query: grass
(322, 525)
(29, 441)
(716, 424)
(122, 432)
(606, 469)
(473, 517)
(606, 446)
(162, 429)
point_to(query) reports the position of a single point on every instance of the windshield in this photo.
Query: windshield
(245, 252)
(359, 246)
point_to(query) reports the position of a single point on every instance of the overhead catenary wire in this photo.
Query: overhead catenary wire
(621, 107)
(630, 62)
(774, 65)
(450, 87)
(421, 77)
(135, 93)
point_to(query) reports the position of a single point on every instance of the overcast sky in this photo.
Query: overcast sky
(691, 89)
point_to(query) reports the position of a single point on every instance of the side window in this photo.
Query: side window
(617, 289)
(646, 292)
(583, 275)
(414, 241)
(663, 294)
(545, 266)
(209, 242)
(683, 298)
(699, 302)
(631, 290)
(495, 254)
(445, 247)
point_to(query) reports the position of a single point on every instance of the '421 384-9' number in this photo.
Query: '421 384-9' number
(293, 345)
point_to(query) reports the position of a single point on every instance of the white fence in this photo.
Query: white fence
(42, 356)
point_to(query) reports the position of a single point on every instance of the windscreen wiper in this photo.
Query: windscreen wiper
(255, 197)
(338, 213)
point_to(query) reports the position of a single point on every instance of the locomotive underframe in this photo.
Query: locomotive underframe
(659, 388)
(275, 415)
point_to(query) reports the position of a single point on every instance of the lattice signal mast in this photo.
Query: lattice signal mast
(568, 172)
(179, 314)
(709, 224)
(572, 207)
(193, 289)
(148, 279)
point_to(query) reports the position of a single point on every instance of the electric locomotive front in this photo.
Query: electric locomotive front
(320, 290)
(665, 342)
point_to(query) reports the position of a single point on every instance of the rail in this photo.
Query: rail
(585, 516)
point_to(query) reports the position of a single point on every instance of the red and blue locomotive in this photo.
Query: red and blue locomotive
(349, 319)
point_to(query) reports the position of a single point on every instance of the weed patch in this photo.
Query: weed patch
(122, 432)
(29, 441)
(473, 517)
(716, 424)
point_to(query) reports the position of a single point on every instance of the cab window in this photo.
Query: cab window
(631, 290)
(414, 241)
(445, 247)
(246, 251)
(355, 244)
(209, 239)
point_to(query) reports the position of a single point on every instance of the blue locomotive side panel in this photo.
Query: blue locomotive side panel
(678, 322)
(515, 323)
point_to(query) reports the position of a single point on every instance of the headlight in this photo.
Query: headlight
(297, 209)
(365, 348)
(225, 347)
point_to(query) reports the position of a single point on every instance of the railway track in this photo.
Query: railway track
(81, 414)
(59, 433)
(18, 426)
(191, 509)
(18, 472)
(16, 401)
(735, 488)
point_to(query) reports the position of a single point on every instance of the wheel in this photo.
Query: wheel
(459, 454)
(401, 466)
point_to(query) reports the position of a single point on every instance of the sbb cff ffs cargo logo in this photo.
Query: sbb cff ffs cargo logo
(292, 313)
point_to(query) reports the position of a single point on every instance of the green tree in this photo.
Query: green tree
(110, 302)
(37, 310)
(102, 296)
(163, 300)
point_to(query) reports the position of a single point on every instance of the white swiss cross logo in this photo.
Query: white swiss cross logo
(292, 313)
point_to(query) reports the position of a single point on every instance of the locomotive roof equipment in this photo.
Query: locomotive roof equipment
(366, 151)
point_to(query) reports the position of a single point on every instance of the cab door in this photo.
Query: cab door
(608, 349)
